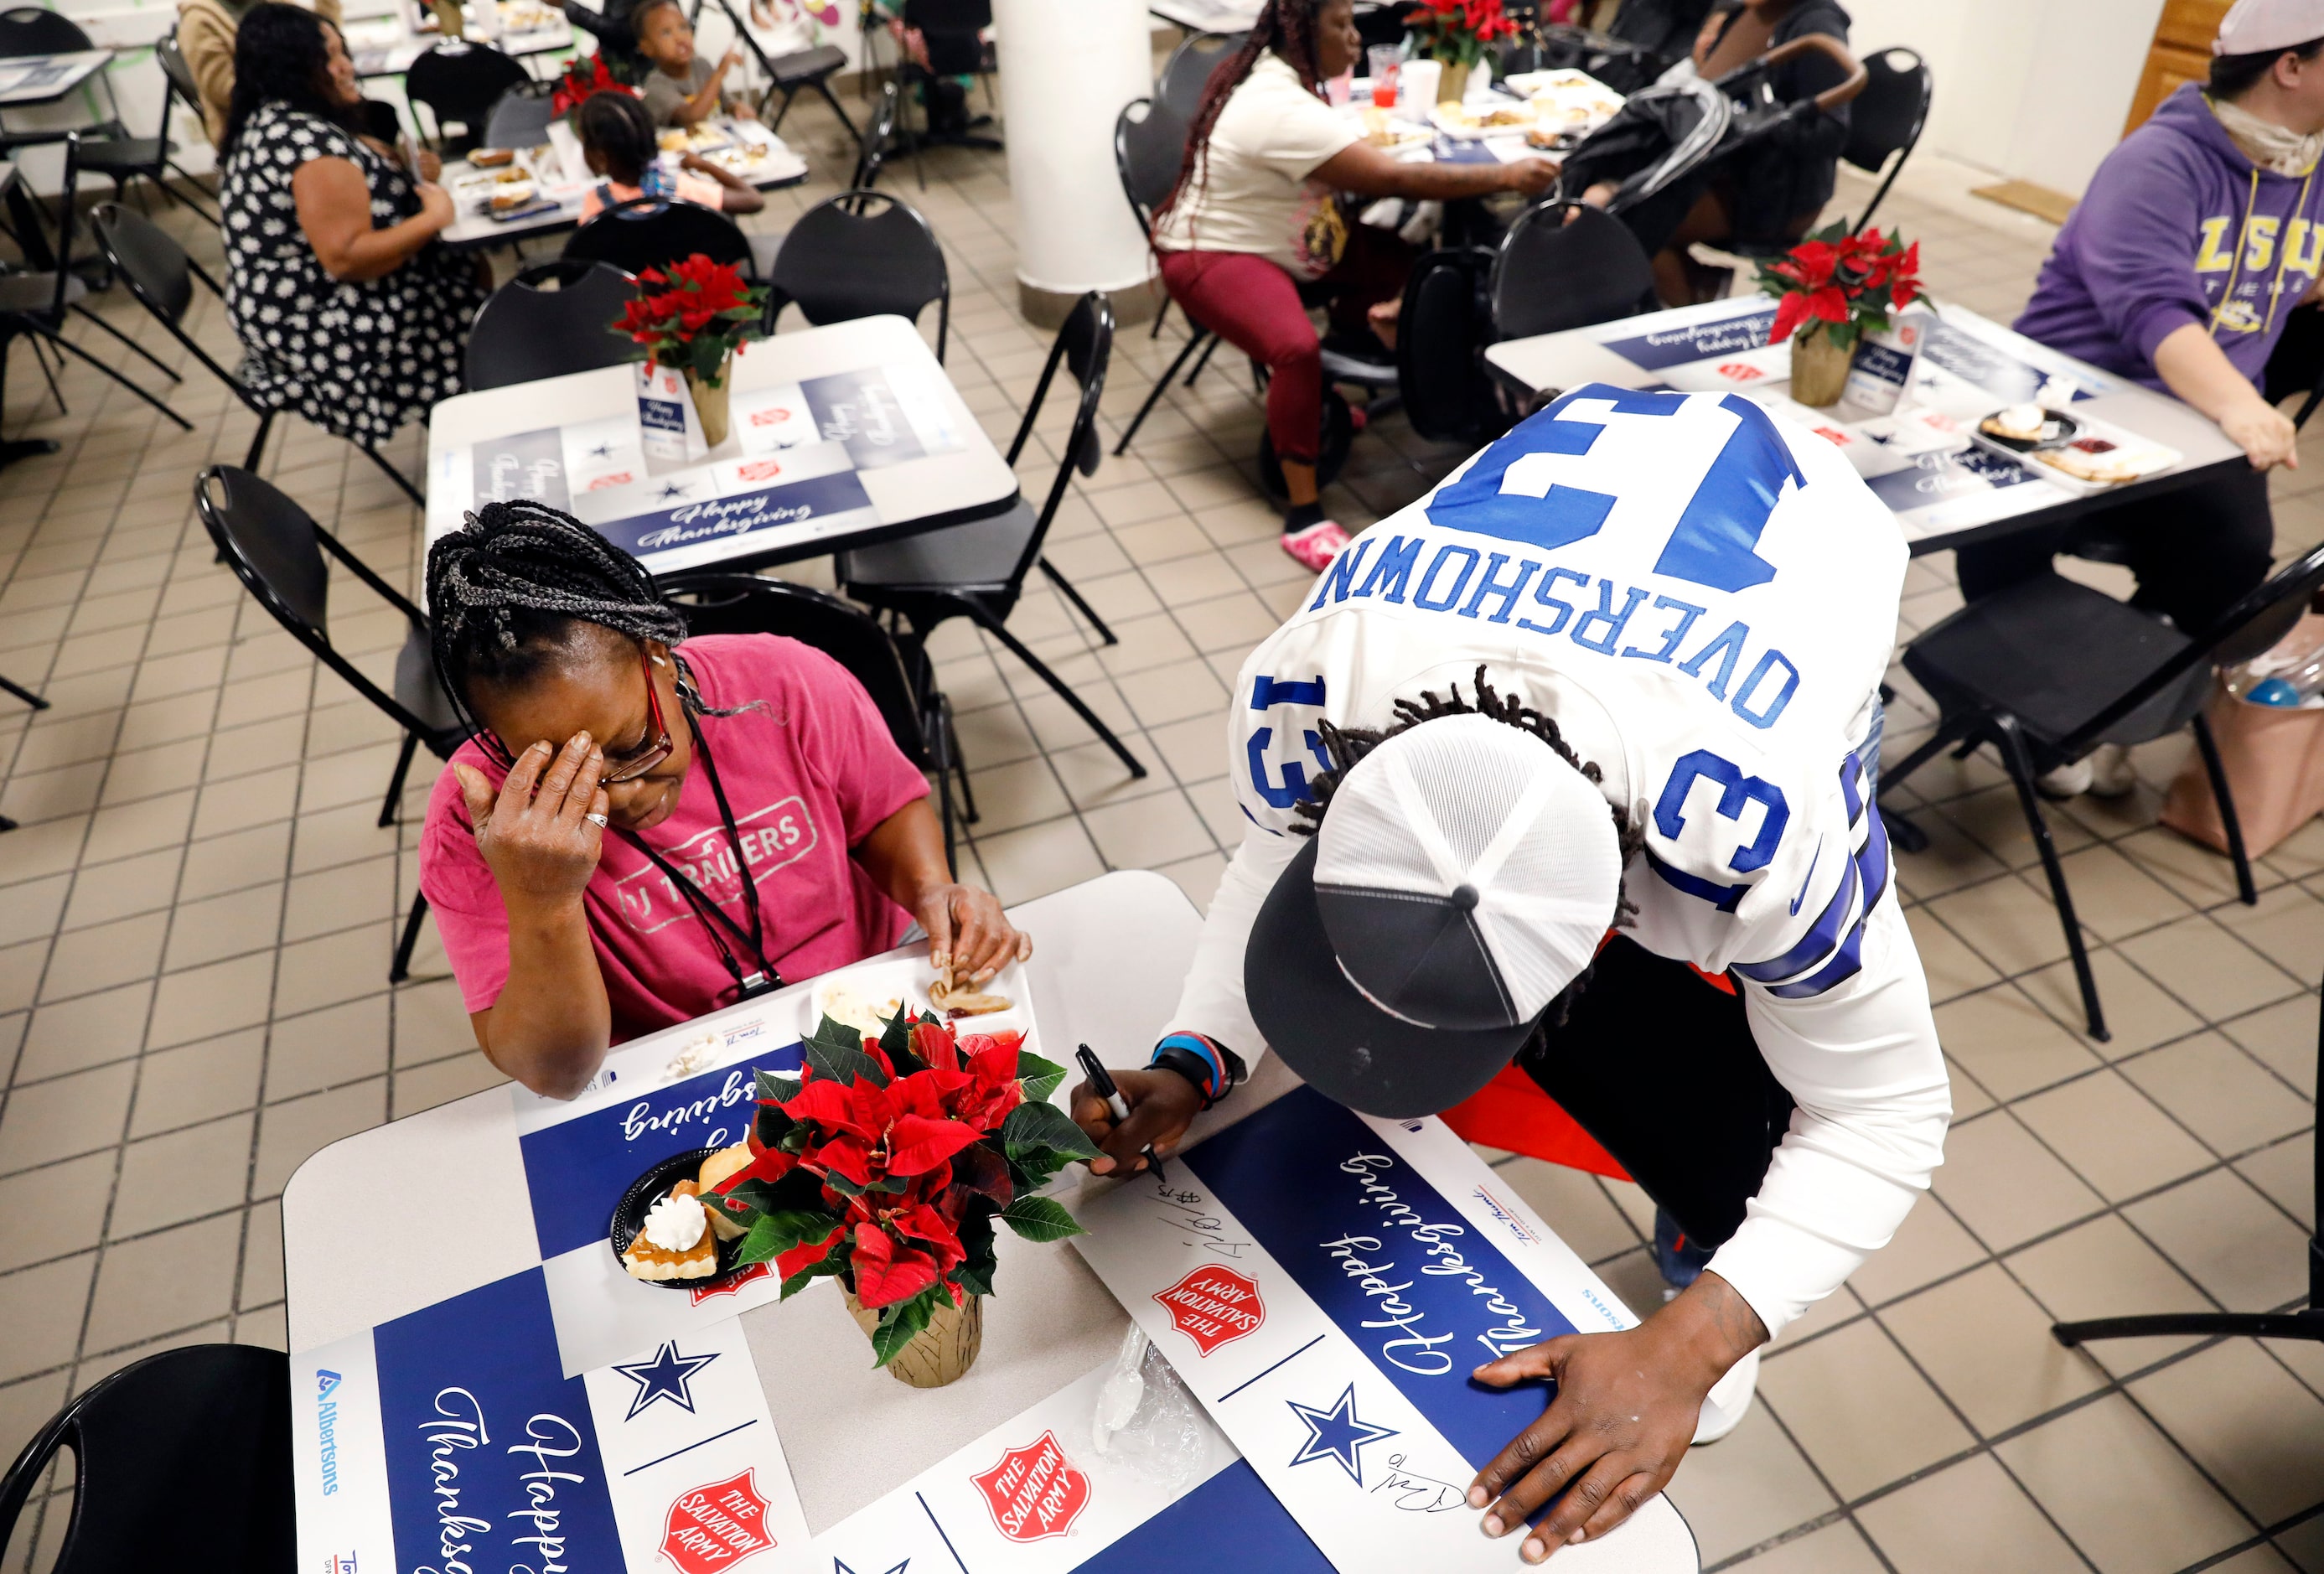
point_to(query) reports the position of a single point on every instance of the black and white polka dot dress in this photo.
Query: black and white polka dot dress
(355, 358)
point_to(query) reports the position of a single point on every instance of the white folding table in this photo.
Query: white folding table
(969, 482)
(364, 1221)
(1550, 362)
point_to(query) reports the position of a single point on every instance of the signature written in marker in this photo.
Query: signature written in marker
(1183, 1210)
(1416, 1494)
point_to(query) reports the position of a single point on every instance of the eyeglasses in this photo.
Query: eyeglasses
(649, 756)
(653, 753)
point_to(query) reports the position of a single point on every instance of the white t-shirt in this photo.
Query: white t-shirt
(1704, 598)
(1250, 192)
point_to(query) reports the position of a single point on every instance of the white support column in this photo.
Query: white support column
(1067, 66)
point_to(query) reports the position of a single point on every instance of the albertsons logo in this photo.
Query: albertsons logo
(327, 1420)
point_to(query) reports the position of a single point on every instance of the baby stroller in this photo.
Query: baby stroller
(1564, 265)
(1667, 138)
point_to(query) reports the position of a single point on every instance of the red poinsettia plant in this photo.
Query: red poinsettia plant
(693, 314)
(585, 76)
(1842, 285)
(1457, 32)
(887, 1161)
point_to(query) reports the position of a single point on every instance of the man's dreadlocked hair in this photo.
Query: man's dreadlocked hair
(1347, 745)
(505, 590)
(1286, 26)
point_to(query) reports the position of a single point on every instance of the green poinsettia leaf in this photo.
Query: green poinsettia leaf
(1040, 1076)
(974, 1274)
(776, 1086)
(836, 1050)
(797, 1190)
(1040, 1219)
(773, 1234)
(900, 1323)
(1035, 1131)
(896, 1040)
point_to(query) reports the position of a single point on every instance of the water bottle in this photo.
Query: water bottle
(2284, 684)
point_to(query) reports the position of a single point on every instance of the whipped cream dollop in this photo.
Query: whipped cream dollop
(675, 1223)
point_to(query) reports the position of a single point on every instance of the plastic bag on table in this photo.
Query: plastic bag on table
(1145, 1420)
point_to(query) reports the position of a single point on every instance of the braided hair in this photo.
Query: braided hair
(507, 590)
(1347, 745)
(1288, 27)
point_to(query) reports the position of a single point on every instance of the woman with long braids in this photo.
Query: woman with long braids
(587, 879)
(1254, 225)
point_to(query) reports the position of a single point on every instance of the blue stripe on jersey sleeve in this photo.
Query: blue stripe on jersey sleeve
(1849, 960)
(1832, 943)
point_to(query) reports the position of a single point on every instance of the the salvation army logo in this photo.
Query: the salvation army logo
(729, 1284)
(716, 1526)
(1740, 372)
(1033, 1491)
(1213, 1306)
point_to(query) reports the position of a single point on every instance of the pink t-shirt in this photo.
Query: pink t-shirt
(808, 776)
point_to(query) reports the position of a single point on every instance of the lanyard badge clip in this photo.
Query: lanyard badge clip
(757, 983)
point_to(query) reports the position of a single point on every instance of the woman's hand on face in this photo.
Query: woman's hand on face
(534, 833)
(2265, 433)
(970, 939)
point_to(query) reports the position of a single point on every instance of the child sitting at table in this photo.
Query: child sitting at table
(681, 90)
(617, 138)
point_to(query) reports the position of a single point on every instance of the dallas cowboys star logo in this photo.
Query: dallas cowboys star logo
(672, 490)
(602, 451)
(665, 1376)
(839, 1568)
(1337, 1434)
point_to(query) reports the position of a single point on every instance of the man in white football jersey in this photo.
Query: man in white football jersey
(1568, 762)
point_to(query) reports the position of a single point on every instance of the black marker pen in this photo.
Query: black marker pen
(1102, 1084)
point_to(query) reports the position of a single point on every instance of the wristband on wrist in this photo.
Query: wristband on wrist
(1210, 1065)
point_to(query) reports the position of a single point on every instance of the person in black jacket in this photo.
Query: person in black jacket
(1773, 189)
(617, 39)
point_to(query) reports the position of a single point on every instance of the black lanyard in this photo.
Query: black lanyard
(763, 978)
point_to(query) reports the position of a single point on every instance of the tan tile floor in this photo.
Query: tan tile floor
(196, 920)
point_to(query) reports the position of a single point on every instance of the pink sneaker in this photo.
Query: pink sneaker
(1314, 548)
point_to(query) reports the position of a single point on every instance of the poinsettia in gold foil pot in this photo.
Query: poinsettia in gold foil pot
(888, 1162)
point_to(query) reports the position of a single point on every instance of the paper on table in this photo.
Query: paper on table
(452, 1436)
(1033, 1496)
(1325, 1282)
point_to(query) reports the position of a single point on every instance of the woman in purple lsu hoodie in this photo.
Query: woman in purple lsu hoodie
(2181, 268)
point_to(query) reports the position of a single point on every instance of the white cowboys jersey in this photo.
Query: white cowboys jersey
(1704, 598)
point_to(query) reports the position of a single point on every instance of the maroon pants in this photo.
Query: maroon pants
(1253, 305)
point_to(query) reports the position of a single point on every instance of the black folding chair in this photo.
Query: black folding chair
(873, 152)
(160, 275)
(277, 549)
(862, 253)
(459, 81)
(800, 71)
(180, 1460)
(2306, 1322)
(1186, 74)
(106, 147)
(1149, 145)
(519, 117)
(38, 704)
(526, 331)
(919, 717)
(977, 570)
(36, 303)
(653, 232)
(1552, 273)
(1887, 119)
(2047, 669)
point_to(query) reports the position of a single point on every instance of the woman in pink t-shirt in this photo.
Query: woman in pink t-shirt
(591, 884)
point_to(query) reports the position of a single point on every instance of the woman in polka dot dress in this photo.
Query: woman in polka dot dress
(351, 311)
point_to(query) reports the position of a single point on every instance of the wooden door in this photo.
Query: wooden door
(2182, 53)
